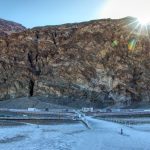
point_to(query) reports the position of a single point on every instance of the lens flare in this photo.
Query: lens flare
(132, 44)
(114, 43)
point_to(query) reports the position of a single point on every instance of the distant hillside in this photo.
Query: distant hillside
(8, 27)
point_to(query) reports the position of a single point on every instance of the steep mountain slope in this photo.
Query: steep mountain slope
(102, 61)
(8, 27)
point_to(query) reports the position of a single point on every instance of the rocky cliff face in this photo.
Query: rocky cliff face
(8, 27)
(102, 61)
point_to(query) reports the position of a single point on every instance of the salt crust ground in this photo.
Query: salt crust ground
(102, 136)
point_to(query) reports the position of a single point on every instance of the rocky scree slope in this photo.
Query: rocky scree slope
(106, 62)
(8, 27)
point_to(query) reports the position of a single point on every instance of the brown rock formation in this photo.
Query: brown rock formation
(91, 61)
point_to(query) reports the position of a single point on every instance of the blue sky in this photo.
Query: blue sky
(32, 13)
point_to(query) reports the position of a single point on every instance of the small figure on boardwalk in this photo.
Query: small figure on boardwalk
(121, 132)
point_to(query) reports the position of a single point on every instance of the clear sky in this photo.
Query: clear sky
(32, 13)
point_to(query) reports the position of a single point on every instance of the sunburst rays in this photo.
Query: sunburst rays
(138, 28)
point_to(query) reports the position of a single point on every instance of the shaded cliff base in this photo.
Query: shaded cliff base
(54, 102)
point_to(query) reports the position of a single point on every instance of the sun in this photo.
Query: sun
(139, 10)
(143, 20)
